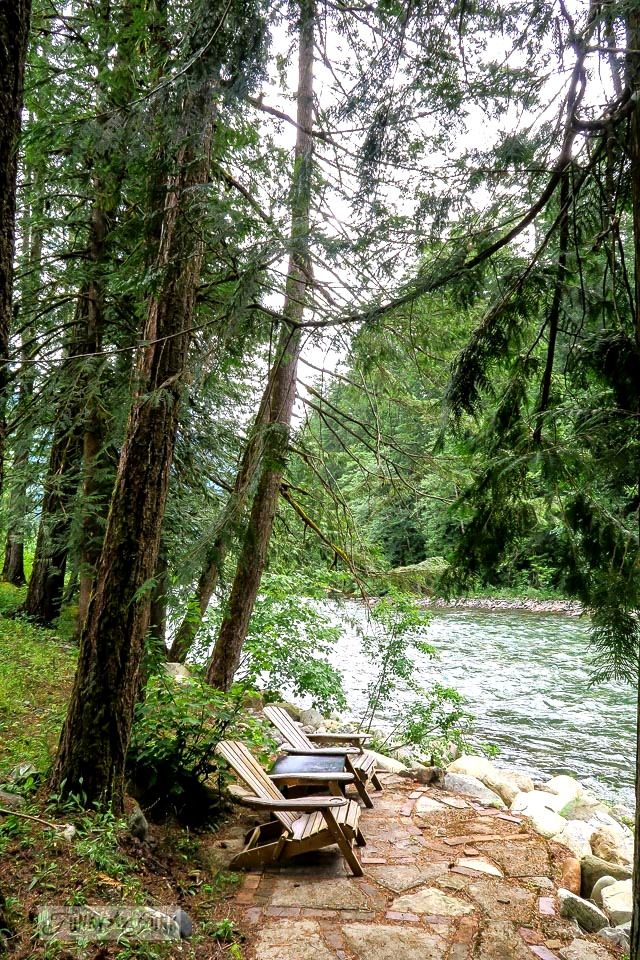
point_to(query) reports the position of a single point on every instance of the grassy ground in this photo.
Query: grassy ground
(102, 863)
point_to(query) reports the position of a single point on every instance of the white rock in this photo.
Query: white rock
(613, 844)
(564, 786)
(386, 763)
(598, 887)
(585, 950)
(572, 907)
(576, 836)
(507, 783)
(547, 823)
(481, 865)
(472, 787)
(533, 801)
(427, 805)
(179, 671)
(311, 718)
(617, 901)
(472, 766)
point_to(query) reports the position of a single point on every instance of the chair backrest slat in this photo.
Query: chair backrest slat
(245, 765)
(283, 722)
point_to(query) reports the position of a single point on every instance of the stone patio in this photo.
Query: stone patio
(442, 881)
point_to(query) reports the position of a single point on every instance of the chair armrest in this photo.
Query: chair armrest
(320, 751)
(319, 778)
(303, 804)
(340, 737)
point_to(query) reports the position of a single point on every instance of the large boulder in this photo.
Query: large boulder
(563, 786)
(507, 783)
(585, 950)
(389, 764)
(471, 766)
(472, 787)
(594, 867)
(598, 887)
(531, 802)
(576, 836)
(547, 823)
(291, 708)
(617, 901)
(590, 917)
(311, 718)
(177, 671)
(612, 843)
(616, 935)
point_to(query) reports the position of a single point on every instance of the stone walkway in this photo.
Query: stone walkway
(444, 878)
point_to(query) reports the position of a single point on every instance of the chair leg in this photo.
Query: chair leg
(359, 783)
(360, 840)
(376, 783)
(345, 846)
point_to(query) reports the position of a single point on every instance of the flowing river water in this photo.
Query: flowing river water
(526, 680)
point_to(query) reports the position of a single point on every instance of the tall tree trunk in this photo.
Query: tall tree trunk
(221, 537)
(32, 237)
(46, 585)
(14, 36)
(253, 553)
(96, 732)
(633, 79)
(97, 478)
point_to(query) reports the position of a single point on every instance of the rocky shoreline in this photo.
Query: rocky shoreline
(571, 608)
(596, 889)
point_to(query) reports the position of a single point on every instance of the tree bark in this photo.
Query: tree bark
(633, 79)
(14, 36)
(46, 585)
(253, 552)
(221, 538)
(95, 735)
(32, 237)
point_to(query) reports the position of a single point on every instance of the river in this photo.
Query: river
(526, 680)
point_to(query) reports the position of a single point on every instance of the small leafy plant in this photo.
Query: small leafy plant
(172, 751)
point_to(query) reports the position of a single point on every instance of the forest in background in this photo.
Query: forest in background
(311, 291)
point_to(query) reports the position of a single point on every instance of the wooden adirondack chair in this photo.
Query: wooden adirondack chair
(299, 826)
(356, 761)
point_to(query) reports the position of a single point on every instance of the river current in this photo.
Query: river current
(525, 677)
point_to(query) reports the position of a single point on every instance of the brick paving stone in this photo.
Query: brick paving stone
(529, 936)
(544, 953)
(283, 911)
(546, 907)
(407, 808)
(245, 896)
(318, 914)
(252, 881)
(467, 929)
(396, 915)
(372, 860)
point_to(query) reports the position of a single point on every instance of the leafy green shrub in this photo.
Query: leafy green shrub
(288, 643)
(432, 720)
(171, 756)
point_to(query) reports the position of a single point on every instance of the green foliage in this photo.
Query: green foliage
(289, 641)
(31, 716)
(396, 625)
(177, 728)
